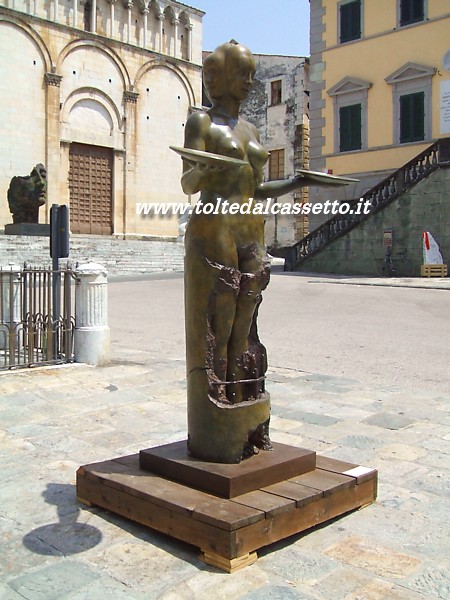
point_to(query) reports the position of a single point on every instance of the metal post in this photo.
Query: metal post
(56, 277)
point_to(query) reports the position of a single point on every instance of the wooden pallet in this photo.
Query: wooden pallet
(434, 270)
(227, 531)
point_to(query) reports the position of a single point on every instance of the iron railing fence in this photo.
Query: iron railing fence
(37, 308)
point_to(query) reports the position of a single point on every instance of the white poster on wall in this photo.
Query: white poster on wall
(445, 106)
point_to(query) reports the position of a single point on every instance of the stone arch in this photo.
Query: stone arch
(89, 115)
(77, 44)
(36, 39)
(91, 93)
(155, 7)
(169, 12)
(184, 18)
(164, 63)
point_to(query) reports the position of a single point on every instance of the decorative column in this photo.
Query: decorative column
(129, 6)
(92, 335)
(160, 18)
(55, 11)
(189, 42)
(175, 24)
(9, 306)
(145, 12)
(52, 143)
(112, 26)
(94, 17)
(75, 13)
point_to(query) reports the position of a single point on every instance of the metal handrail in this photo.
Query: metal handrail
(382, 194)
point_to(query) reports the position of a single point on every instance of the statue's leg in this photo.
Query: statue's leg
(211, 288)
(243, 363)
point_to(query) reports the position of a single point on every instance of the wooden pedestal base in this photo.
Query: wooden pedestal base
(227, 531)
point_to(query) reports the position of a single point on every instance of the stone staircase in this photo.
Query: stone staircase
(119, 256)
(380, 197)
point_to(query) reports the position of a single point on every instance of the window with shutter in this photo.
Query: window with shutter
(411, 11)
(350, 21)
(276, 164)
(412, 117)
(350, 127)
(275, 92)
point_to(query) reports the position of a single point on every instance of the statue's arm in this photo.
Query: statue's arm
(274, 189)
(196, 130)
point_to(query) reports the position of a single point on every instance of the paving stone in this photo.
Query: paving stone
(340, 583)
(276, 592)
(54, 582)
(389, 421)
(361, 442)
(434, 580)
(105, 588)
(379, 560)
(311, 418)
(436, 482)
(382, 590)
(295, 565)
(402, 452)
(6, 593)
(142, 567)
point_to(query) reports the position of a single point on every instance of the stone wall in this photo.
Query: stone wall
(282, 126)
(426, 207)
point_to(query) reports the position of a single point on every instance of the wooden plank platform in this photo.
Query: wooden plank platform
(227, 531)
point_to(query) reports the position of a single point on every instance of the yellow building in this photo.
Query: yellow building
(380, 87)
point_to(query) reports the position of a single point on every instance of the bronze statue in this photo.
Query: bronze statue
(226, 267)
(27, 194)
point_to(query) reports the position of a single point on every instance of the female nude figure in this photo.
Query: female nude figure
(226, 269)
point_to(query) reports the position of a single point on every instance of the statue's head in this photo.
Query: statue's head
(37, 184)
(230, 69)
(214, 75)
(27, 194)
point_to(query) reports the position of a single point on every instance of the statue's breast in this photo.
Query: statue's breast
(223, 140)
(257, 155)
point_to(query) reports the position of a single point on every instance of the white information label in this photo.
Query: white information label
(358, 471)
(445, 106)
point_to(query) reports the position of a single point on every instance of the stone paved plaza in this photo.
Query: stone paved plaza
(55, 419)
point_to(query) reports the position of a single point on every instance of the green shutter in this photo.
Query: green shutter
(350, 21)
(350, 128)
(411, 11)
(412, 117)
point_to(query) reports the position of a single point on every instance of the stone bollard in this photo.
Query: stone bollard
(9, 305)
(92, 336)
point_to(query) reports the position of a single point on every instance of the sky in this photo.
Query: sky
(264, 26)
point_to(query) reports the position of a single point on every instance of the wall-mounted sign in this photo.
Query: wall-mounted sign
(445, 106)
(387, 238)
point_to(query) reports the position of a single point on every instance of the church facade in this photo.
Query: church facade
(97, 91)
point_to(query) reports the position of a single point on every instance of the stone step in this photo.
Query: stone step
(119, 256)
